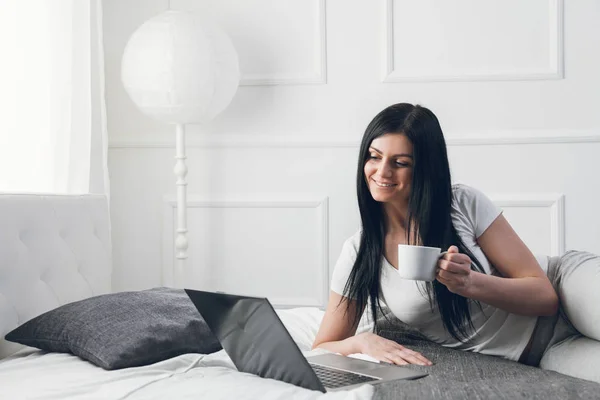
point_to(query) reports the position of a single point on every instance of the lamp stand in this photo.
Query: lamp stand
(181, 170)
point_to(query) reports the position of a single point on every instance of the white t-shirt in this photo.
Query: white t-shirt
(497, 332)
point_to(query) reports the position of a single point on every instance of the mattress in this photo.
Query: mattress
(34, 374)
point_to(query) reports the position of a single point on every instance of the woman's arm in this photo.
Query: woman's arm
(337, 330)
(523, 288)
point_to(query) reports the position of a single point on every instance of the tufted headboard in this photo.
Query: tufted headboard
(54, 249)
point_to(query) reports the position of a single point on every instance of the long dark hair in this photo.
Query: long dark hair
(429, 217)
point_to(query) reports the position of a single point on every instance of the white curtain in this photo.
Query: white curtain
(52, 112)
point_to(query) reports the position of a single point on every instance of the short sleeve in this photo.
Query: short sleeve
(476, 208)
(344, 264)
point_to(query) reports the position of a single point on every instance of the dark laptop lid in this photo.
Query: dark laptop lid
(254, 337)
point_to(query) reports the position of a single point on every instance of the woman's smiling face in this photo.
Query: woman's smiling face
(388, 169)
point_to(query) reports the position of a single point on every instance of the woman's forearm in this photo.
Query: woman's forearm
(347, 346)
(524, 296)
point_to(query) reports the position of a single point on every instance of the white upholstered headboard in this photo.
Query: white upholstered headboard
(54, 249)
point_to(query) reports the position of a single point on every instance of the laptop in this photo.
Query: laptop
(257, 342)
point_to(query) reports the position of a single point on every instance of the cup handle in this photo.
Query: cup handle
(442, 254)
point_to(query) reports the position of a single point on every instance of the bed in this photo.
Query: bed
(56, 251)
(34, 374)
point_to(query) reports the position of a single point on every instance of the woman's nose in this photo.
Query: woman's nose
(385, 170)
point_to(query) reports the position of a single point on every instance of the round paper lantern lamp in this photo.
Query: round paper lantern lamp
(180, 69)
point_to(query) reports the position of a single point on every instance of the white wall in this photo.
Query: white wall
(271, 180)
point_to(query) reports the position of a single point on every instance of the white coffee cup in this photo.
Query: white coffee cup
(418, 263)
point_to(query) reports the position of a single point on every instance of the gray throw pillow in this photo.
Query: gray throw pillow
(121, 330)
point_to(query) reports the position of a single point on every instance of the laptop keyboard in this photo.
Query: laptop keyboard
(333, 378)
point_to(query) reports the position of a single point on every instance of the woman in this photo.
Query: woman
(490, 292)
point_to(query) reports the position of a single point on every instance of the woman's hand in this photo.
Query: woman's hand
(388, 350)
(454, 271)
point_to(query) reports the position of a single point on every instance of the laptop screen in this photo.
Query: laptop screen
(254, 337)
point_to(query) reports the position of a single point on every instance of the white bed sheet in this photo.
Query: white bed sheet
(33, 374)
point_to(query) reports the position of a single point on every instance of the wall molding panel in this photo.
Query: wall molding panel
(554, 69)
(318, 76)
(320, 204)
(554, 201)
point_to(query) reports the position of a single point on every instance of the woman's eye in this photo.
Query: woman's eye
(372, 156)
(401, 164)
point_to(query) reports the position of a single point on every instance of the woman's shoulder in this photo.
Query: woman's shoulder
(464, 190)
(353, 242)
(345, 262)
(465, 194)
(473, 208)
